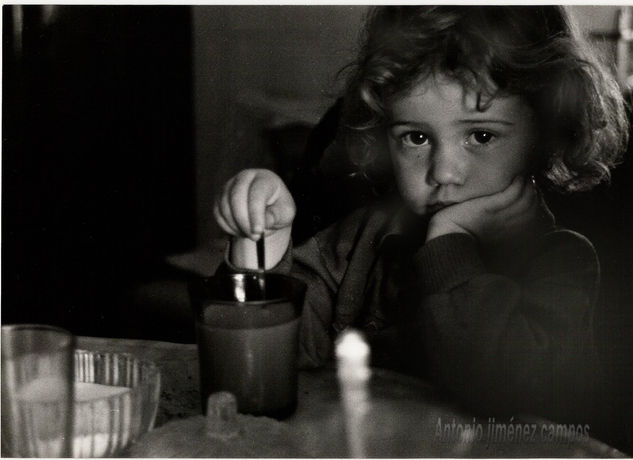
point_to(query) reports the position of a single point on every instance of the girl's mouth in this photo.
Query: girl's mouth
(432, 208)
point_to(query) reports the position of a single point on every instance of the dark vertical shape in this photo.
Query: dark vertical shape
(97, 158)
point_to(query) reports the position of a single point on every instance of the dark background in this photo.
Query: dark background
(97, 164)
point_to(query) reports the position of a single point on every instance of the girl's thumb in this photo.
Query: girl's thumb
(270, 218)
(279, 216)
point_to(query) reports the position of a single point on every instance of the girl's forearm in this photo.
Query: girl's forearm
(502, 344)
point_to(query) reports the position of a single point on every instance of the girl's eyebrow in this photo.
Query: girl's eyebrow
(465, 121)
(404, 123)
(486, 120)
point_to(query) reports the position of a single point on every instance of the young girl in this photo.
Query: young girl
(462, 276)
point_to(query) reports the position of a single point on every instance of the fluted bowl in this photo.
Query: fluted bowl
(116, 401)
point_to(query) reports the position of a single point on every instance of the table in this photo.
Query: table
(406, 418)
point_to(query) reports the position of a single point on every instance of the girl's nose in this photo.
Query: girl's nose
(446, 168)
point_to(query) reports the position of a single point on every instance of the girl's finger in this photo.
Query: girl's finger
(523, 192)
(225, 211)
(224, 207)
(259, 196)
(530, 195)
(282, 213)
(238, 199)
(516, 190)
(270, 218)
(525, 207)
(219, 218)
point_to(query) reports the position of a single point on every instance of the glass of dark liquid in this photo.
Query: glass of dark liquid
(248, 339)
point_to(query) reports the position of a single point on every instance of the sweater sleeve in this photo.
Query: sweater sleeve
(505, 345)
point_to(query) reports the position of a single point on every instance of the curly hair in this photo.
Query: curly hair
(535, 52)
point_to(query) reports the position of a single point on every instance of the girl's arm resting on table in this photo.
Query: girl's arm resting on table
(503, 345)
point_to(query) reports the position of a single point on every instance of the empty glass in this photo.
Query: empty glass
(37, 391)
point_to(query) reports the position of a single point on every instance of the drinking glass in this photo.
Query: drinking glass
(37, 391)
(248, 339)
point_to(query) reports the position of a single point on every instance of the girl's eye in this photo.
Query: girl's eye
(415, 139)
(481, 137)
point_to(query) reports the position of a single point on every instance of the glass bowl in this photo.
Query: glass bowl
(116, 401)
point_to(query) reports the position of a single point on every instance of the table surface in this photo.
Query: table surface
(405, 417)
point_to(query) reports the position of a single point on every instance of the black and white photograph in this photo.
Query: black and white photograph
(298, 230)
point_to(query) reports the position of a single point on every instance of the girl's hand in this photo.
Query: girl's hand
(490, 218)
(252, 203)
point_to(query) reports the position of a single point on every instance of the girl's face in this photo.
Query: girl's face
(445, 151)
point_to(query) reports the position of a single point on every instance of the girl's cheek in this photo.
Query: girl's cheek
(492, 178)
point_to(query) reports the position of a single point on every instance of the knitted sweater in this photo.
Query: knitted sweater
(503, 330)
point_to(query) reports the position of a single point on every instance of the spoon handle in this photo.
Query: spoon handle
(261, 265)
(261, 254)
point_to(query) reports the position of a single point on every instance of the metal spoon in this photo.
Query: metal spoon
(261, 266)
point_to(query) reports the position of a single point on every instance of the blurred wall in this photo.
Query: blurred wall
(596, 17)
(257, 66)
(596, 20)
